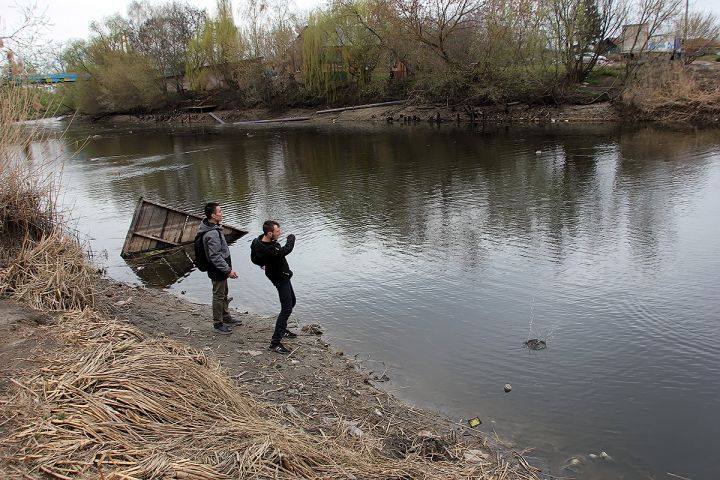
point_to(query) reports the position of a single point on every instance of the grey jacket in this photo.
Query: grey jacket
(216, 249)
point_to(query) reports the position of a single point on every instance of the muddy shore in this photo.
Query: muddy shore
(315, 382)
(391, 114)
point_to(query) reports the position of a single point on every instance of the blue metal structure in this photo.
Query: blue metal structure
(43, 78)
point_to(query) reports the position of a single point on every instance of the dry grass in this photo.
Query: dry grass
(117, 405)
(28, 193)
(667, 91)
(45, 265)
(50, 274)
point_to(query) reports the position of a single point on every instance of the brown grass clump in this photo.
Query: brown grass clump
(28, 188)
(669, 92)
(44, 265)
(50, 274)
(115, 404)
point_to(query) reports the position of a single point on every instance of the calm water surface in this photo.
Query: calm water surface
(437, 252)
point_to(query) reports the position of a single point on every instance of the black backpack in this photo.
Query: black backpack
(254, 258)
(201, 260)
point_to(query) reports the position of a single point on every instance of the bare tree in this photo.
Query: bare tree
(701, 34)
(435, 23)
(20, 44)
(164, 33)
(24, 32)
(580, 27)
(377, 17)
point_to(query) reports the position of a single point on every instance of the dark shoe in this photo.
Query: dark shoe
(279, 348)
(289, 334)
(231, 322)
(222, 329)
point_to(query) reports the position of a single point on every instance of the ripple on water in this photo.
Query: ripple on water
(440, 252)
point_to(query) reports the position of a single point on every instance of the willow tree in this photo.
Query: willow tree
(338, 50)
(219, 47)
(196, 59)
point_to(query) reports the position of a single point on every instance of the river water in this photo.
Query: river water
(435, 253)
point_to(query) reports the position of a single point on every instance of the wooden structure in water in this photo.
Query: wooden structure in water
(156, 227)
(200, 108)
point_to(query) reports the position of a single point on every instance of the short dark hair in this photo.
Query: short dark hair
(269, 226)
(210, 209)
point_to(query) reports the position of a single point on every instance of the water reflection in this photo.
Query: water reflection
(438, 251)
(163, 269)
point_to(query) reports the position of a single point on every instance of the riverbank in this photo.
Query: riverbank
(390, 114)
(663, 93)
(316, 390)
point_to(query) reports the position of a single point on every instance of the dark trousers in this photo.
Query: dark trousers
(220, 300)
(287, 302)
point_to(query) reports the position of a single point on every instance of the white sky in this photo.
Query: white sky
(70, 19)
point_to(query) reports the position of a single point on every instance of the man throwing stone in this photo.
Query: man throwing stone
(270, 255)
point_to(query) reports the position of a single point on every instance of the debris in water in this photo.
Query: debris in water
(507, 388)
(312, 329)
(474, 422)
(535, 344)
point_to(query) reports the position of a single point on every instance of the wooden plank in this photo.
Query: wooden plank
(157, 222)
(133, 224)
(190, 229)
(140, 244)
(274, 120)
(156, 239)
(360, 107)
(156, 226)
(174, 227)
(166, 207)
(143, 223)
(218, 119)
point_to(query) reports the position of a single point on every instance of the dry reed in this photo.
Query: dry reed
(115, 404)
(50, 274)
(45, 265)
(669, 92)
(28, 193)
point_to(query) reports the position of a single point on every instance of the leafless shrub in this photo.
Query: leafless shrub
(668, 91)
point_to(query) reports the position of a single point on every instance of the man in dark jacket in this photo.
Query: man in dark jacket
(270, 255)
(219, 268)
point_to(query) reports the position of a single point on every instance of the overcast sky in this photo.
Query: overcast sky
(70, 19)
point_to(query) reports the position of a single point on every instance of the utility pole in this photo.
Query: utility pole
(685, 35)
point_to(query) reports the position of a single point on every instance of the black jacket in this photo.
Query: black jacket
(272, 256)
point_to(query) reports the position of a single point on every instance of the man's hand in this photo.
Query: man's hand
(232, 274)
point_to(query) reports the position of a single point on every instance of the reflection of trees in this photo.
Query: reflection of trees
(451, 192)
(442, 188)
(429, 187)
(658, 171)
(184, 170)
